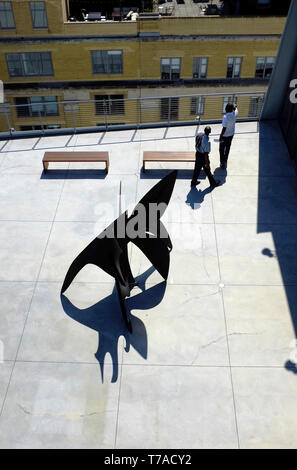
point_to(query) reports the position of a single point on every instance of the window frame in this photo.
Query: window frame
(256, 103)
(12, 14)
(233, 65)
(21, 61)
(167, 104)
(29, 106)
(39, 127)
(232, 100)
(198, 102)
(108, 72)
(199, 60)
(264, 68)
(170, 65)
(107, 105)
(45, 12)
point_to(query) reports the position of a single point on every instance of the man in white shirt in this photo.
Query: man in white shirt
(227, 133)
(202, 159)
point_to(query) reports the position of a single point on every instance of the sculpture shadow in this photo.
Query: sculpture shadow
(158, 173)
(105, 317)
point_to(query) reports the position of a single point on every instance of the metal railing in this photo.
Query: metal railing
(65, 117)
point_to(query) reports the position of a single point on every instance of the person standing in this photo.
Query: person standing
(227, 133)
(203, 148)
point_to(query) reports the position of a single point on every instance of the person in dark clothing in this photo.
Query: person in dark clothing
(202, 159)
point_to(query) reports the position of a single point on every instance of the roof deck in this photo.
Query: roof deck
(210, 363)
(118, 11)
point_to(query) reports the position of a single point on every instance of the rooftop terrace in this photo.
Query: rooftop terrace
(210, 363)
(118, 10)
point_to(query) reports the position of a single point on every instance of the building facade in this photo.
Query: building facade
(46, 61)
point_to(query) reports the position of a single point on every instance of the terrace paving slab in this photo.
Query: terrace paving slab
(211, 362)
(62, 406)
(160, 401)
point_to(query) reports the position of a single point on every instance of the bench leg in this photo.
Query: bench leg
(45, 166)
(107, 167)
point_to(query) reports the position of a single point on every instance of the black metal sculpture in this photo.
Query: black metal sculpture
(144, 228)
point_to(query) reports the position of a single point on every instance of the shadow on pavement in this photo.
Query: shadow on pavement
(105, 317)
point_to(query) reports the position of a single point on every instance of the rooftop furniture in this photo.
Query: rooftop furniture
(212, 10)
(75, 157)
(167, 157)
(117, 13)
(93, 16)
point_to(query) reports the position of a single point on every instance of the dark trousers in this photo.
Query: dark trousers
(225, 148)
(199, 164)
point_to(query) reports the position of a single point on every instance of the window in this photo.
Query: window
(109, 104)
(169, 109)
(103, 124)
(233, 67)
(29, 64)
(38, 13)
(107, 62)
(197, 105)
(255, 108)
(40, 106)
(228, 99)
(200, 67)
(264, 67)
(170, 69)
(6, 16)
(39, 128)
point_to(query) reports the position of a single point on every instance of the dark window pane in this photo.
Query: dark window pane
(109, 104)
(165, 76)
(38, 12)
(14, 64)
(97, 62)
(193, 105)
(260, 67)
(197, 105)
(31, 63)
(269, 66)
(6, 16)
(169, 109)
(170, 69)
(107, 62)
(200, 67)
(196, 62)
(22, 111)
(164, 108)
(36, 105)
(46, 64)
(99, 106)
(233, 67)
(117, 105)
(51, 106)
(115, 61)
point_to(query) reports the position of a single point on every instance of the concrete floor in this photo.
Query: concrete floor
(212, 359)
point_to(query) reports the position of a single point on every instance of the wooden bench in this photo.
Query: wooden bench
(75, 157)
(167, 157)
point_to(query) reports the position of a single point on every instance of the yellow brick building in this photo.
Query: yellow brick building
(46, 59)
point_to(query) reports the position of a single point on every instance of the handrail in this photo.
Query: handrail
(55, 117)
